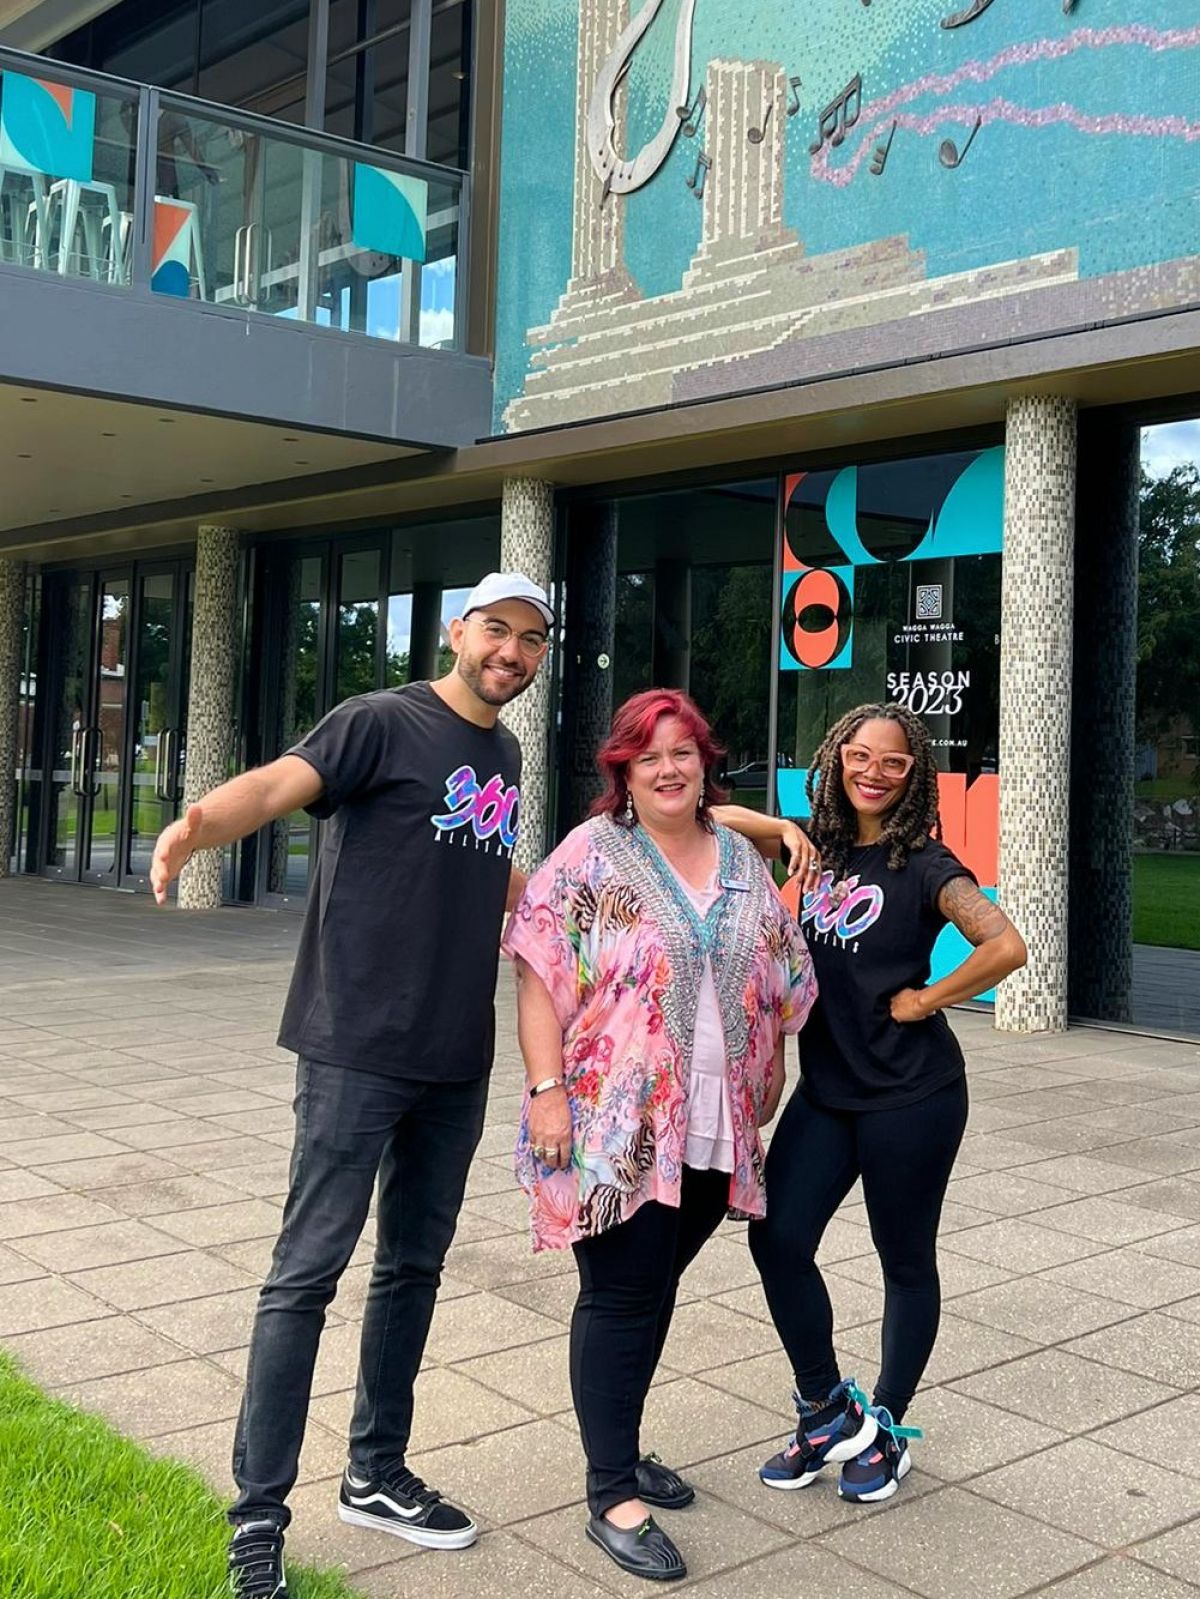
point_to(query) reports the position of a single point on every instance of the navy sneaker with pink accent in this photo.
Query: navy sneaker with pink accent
(840, 1430)
(878, 1471)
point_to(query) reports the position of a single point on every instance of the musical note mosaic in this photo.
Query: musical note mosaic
(701, 196)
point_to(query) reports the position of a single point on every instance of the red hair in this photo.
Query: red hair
(632, 729)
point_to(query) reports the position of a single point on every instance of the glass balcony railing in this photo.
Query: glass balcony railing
(157, 193)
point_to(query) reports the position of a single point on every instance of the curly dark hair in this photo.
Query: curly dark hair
(908, 827)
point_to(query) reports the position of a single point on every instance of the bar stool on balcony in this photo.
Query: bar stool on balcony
(24, 217)
(81, 210)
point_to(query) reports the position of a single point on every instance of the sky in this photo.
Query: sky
(1169, 446)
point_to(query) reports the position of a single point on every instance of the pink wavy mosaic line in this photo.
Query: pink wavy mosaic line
(880, 114)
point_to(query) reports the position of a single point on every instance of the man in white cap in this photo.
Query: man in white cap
(390, 1012)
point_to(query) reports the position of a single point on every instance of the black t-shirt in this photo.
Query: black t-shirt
(396, 970)
(853, 1056)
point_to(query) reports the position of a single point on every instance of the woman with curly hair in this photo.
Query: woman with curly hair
(658, 970)
(882, 1092)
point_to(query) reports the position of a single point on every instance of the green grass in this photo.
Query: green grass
(86, 1514)
(1166, 900)
(1166, 788)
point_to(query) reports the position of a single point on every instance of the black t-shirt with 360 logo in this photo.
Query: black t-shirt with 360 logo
(853, 1056)
(396, 970)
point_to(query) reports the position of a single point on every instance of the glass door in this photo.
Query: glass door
(117, 661)
(70, 603)
(157, 714)
(105, 771)
(296, 701)
(326, 640)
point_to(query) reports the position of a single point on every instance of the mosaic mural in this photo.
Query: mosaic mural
(701, 197)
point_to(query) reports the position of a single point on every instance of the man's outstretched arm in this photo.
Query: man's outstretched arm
(236, 808)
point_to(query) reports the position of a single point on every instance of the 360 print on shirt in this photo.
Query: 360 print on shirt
(846, 920)
(486, 814)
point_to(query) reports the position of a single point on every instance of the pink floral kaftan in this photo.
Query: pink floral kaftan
(608, 928)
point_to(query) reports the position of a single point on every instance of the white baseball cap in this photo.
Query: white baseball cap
(499, 586)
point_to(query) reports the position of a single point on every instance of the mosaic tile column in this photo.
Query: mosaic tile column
(12, 612)
(210, 698)
(1035, 703)
(1103, 720)
(527, 545)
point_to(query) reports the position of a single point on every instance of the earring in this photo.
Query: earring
(629, 816)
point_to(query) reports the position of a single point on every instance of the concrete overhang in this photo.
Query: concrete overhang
(1150, 365)
(90, 338)
(33, 24)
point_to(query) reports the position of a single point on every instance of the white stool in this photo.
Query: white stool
(24, 222)
(84, 207)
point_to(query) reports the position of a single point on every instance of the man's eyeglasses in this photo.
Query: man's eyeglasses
(498, 633)
(893, 765)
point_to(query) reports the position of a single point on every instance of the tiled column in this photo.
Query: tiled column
(527, 545)
(12, 611)
(1035, 703)
(1103, 725)
(210, 698)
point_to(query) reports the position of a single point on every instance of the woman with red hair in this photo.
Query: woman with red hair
(658, 972)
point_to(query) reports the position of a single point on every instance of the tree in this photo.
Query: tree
(1169, 600)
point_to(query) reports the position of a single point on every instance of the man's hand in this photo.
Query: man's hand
(909, 1005)
(174, 849)
(550, 1129)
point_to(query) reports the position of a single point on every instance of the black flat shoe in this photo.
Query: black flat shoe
(643, 1551)
(661, 1487)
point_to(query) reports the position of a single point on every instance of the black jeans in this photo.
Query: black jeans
(628, 1279)
(904, 1157)
(350, 1125)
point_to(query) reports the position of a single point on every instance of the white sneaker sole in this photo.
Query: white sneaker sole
(788, 1483)
(888, 1489)
(863, 1438)
(418, 1535)
(851, 1448)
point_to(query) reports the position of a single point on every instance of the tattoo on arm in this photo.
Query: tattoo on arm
(975, 916)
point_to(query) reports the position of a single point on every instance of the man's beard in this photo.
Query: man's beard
(470, 669)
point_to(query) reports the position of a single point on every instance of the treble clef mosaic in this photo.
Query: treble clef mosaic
(618, 174)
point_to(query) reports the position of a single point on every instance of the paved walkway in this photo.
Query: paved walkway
(144, 1128)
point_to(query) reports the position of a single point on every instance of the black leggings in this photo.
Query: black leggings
(904, 1157)
(628, 1279)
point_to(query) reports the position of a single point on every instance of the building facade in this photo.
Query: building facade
(810, 365)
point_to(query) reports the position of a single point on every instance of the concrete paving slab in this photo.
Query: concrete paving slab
(1157, 1346)
(1177, 1552)
(500, 1563)
(955, 1545)
(1119, 1578)
(1065, 1391)
(1038, 1309)
(1101, 1494)
(66, 1356)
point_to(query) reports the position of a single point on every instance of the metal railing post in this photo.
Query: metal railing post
(145, 183)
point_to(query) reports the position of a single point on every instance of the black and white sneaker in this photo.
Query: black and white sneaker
(402, 1504)
(256, 1561)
